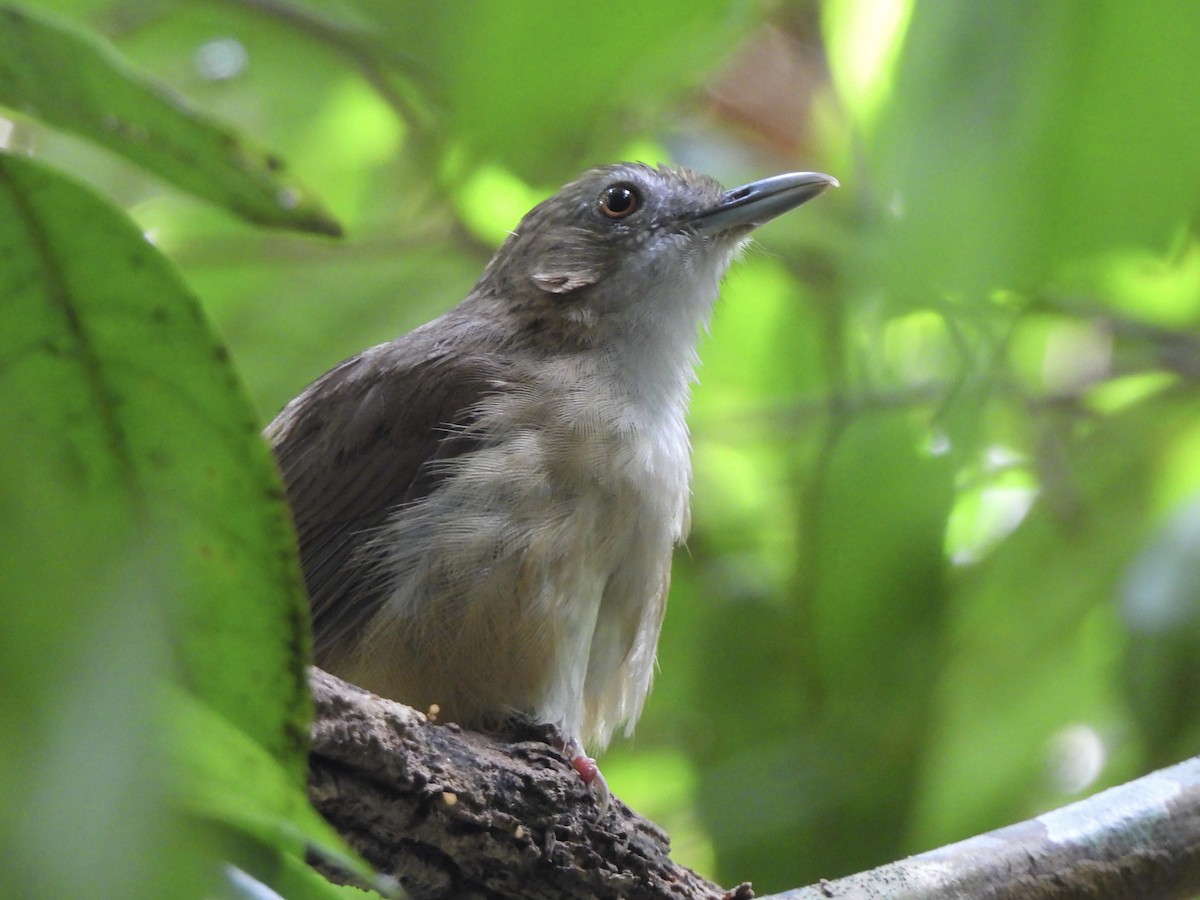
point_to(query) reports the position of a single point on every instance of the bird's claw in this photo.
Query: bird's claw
(589, 773)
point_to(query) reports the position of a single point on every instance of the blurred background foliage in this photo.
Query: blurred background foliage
(945, 565)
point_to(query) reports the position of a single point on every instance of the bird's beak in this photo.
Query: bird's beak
(753, 204)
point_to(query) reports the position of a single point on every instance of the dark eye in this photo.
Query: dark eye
(620, 200)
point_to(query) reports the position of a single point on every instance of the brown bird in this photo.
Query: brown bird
(487, 506)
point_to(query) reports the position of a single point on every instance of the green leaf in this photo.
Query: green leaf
(53, 72)
(107, 363)
(1027, 135)
(519, 83)
(841, 668)
(1036, 635)
(227, 778)
(84, 643)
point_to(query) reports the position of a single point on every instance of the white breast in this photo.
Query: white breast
(536, 574)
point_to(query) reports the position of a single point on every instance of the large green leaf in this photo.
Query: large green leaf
(85, 642)
(1024, 136)
(107, 364)
(54, 72)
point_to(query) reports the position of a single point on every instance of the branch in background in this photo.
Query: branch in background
(1139, 841)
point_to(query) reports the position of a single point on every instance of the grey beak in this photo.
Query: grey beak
(753, 204)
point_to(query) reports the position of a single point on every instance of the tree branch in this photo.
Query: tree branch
(453, 813)
(1138, 841)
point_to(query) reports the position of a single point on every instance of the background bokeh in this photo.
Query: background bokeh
(944, 572)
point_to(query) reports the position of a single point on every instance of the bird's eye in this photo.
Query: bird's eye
(620, 200)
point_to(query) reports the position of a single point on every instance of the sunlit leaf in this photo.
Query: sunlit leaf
(70, 80)
(106, 360)
(1025, 136)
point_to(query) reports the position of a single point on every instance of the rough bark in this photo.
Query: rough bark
(453, 813)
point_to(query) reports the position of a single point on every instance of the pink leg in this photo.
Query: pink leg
(589, 773)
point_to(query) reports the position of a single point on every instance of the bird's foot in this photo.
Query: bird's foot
(521, 727)
(588, 772)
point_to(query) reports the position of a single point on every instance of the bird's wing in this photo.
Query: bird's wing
(358, 443)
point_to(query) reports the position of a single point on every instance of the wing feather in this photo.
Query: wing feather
(357, 444)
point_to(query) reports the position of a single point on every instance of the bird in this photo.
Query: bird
(487, 506)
